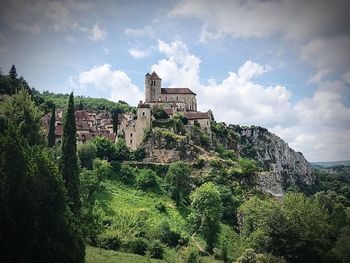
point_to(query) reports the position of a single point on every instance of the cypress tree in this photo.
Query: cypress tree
(13, 72)
(51, 136)
(69, 158)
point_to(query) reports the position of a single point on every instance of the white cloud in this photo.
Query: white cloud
(97, 33)
(104, 78)
(146, 31)
(138, 53)
(318, 30)
(249, 18)
(318, 126)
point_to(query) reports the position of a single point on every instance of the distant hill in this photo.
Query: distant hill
(329, 164)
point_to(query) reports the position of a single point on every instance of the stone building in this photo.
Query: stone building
(173, 100)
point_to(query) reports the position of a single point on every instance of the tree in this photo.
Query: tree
(158, 113)
(116, 110)
(35, 223)
(105, 148)
(69, 158)
(51, 138)
(21, 112)
(206, 211)
(87, 153)
(178, 181)
(122, 152)
(13, 72)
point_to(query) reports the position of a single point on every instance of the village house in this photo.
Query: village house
(89, 125)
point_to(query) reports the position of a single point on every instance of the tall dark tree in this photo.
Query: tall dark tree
(13, 72)
(52, 136)
(69, 158)
(35, 223)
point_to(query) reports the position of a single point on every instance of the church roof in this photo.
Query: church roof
(154, 75)
(177, 91)
(196, 115)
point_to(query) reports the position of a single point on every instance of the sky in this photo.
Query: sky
(279, 64)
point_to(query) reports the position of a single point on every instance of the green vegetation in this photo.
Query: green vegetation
(69, 158)
(35, 223)
(128, 211)
(178, 181)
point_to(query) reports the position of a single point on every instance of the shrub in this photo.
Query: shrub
(168, 236)
(156, 249)
(122, 152)
(102, 168)
(158, 113)
(204, 139)
(161, 207)
(87, 153)
(105, 149)
(200, 162)
(126, 173)
(137, 246)
(109, 240)
(193, 256)
(146, 179)
(139, 154)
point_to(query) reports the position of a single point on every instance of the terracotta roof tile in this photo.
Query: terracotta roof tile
(177, 91)
(154, 75)
(195, 115)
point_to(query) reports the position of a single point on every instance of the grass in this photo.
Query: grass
(118, 197)
(99, 255)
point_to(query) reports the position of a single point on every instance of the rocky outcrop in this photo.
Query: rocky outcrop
(284, 167)
(163, 146)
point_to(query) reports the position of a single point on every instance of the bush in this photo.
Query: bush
(146, 179)
(168, 236)
(156, 249)
(204, 139)
(139, 154)
(200, 162)
(102, 169)
(126, 173)
(158, 113)
(193, 256)
(109, 240)
(105, 149)
(161, 207)
(122, 152)
(138, 246)
(87, 153)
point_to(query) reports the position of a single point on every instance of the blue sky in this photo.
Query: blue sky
(284, 65)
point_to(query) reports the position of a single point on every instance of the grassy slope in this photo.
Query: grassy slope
(119, 197)
(99, 255)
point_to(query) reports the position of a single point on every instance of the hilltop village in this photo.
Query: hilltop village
(132, 125)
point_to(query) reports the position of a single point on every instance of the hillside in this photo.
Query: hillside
(186, 194)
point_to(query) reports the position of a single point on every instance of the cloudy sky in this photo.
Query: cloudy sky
(284, 65)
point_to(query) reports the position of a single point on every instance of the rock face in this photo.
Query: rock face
(164, 147)
(283, 166)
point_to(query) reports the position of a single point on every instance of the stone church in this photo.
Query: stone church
(173, 100)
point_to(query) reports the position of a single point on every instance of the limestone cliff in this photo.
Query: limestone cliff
(283, 166)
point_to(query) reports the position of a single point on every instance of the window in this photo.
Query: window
(130, 134)
(143, 113)
(177, 98)
(130, 141)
